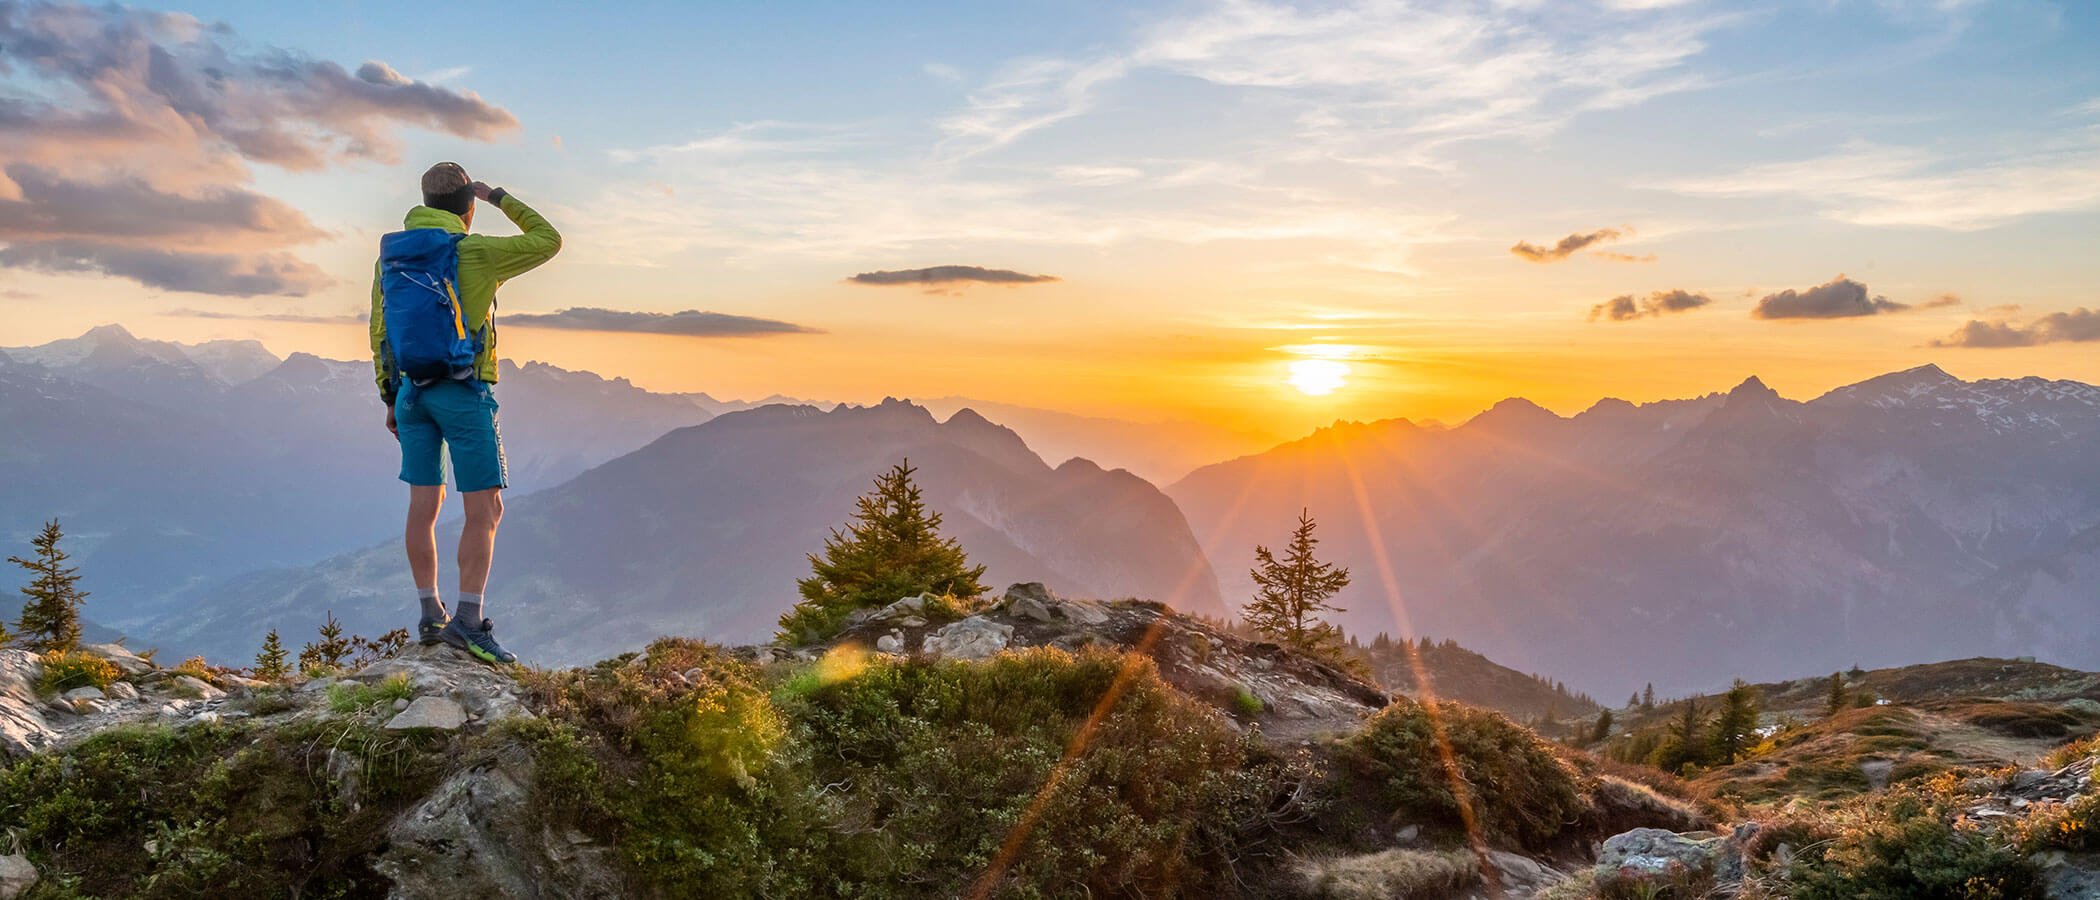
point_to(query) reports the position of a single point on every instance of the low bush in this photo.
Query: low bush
(1907, 844)
(65, 670)
(1060, 775)
(2072, 752)
(1501, 776)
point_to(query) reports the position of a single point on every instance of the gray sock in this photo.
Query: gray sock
(433, 608)
(469, 612)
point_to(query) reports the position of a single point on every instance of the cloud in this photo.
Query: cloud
(689, 323)
(2078, 326)
(1567, 245)
(1623, 257)
(1660, 303)
(1941, 301)
(233, 275)
(949, 275)
(1869, 184)
(1839, 298)
(130, 134)
(346, 319)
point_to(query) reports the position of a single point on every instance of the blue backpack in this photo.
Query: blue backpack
(418, 284)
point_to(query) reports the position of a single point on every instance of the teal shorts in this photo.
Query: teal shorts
(455, 419)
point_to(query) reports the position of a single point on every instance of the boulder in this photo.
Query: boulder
(487, 694)
(1083, 612)
(123, 690)
(477, 835)
(890, 643)
(196, 688)
(2069, 876)
(19, 671)
(973, 638)
(17, 876)
(126, 661)
(84, 693)
(441, 713)
(908, 606)
(1029, 601)
(23, 728)
(1648, 854)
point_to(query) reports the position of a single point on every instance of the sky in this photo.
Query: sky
(1261, 215)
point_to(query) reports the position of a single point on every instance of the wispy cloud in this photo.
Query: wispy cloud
(689, 323)
(949, 275)
(2078, 325)
(345, 319)
(1838, 298)
(130, 137)
(1661, 303)
(1869, 184)
(1566, 246)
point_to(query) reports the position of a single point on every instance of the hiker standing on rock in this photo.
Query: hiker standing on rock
(434, 357)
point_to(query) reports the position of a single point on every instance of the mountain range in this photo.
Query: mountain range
(1911, 516)
(704, 532)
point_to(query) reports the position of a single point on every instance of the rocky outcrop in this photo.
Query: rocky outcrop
(476, 836)
(1288, 694)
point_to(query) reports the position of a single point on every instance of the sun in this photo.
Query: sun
(1317, 377)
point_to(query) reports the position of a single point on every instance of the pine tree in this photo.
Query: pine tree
(1602, 731)
(270, 664)
(1292, 593)
(327, 654)
(1648, 698)
(1736, 727)
(51, 616)
(1834, 698)
(1633, 701)
(892, 549)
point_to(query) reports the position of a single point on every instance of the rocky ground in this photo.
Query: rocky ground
(474, 833)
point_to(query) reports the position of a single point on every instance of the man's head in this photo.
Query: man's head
(447, 187)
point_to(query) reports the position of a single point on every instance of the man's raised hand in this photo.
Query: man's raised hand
(481, 191)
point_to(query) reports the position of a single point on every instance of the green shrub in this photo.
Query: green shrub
(864, 777)
(212, 810)
(348, 697)
(1903, 845)
(2072, 752)
(2072, 825)
(1507, 779)
(1245, 703)
(68, 669)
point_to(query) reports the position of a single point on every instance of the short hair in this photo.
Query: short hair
(444, 178)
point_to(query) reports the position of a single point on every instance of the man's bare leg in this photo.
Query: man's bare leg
(477, 539)
(424, 501)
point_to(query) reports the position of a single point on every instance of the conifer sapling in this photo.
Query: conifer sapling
(1292, 593)
(51, 616)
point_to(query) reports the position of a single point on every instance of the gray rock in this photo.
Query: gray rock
(88, 692)
(197, 688)
(908, 606)
(400, 704)
(441, 671)
(441, 713)
(128, 662)
(1645, 853)
(1084, 612)
(973, 638)
(17, 876)
(911, 622)
(317, 685)
(123, 690)
(890, 643)
(19, 671)
(23, 728)
(1029, 601)
(174, 708)
(2069, 876)
(478, 835)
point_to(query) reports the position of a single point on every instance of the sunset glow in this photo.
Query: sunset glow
(1317, 377)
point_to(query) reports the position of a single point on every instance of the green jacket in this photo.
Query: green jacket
(485, 263)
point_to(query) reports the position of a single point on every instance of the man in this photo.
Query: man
(454, 409)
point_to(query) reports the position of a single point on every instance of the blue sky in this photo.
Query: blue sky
(1221, 189)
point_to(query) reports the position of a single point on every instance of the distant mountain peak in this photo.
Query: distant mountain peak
(1752, 386)
(111, 333)
(1513, 413)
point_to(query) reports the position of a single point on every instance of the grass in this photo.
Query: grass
(350, 697)
(1245, 703)
(1396, 874)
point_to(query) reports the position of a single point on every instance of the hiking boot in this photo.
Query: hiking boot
(479, 643)
(428, 630)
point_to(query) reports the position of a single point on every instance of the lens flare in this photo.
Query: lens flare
(1317, 377)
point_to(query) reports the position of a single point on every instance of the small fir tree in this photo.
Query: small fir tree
(1292, 593)
(1834, 695)
(892, 549)
(51, 616)
(1602, 731)
(1735, 728)
(327, 654)
(1634, 701)
(270, 663)
(1648, 698)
